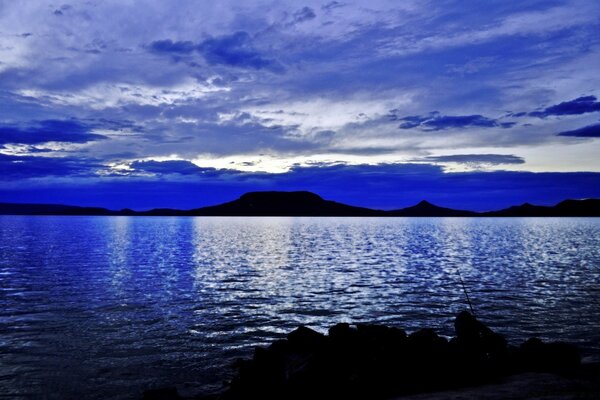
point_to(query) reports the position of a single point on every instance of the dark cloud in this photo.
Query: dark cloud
(236, 50)
(436, 122)
(410, 121)
(169, 46)
(331, 5)
(590, 131)
(60, 11)
(22, 167)
(68, 131)
(517, 114)
(493, 159)
(34, 150)
(304, 14)
(580, 105)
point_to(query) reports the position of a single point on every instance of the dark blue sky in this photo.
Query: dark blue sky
(144, 104)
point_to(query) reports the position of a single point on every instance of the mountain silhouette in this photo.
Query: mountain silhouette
(284, 204)
(578, 208)
(50, 209)
(426, 209)
(303, 203)
(566, 208)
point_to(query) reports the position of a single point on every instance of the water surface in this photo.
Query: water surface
(105, 307)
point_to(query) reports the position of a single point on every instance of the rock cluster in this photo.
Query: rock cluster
(373, 361)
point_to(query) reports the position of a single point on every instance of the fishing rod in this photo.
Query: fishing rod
(462, 282)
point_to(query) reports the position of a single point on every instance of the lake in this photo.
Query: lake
(105, 307)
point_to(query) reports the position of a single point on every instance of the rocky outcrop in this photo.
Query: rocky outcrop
(373, 361)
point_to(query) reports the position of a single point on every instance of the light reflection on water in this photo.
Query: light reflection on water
(103, 307)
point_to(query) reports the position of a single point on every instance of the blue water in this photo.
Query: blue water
(105, 307)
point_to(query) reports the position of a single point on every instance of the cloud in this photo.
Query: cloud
(181, 167)
(490, 159)
(580, 105)
(331, 5)
(517, 114)
(23, 167)
(66, 131)
(436, 122)
(304, 14)
(590, 131)
(236, 50)
(169, 46)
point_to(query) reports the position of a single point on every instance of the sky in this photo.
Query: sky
(141, 104)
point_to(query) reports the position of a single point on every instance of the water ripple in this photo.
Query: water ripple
(104, 307)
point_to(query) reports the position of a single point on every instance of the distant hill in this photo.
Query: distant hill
(50, 209)
(426, 209)
(567, 208)
(304, 203)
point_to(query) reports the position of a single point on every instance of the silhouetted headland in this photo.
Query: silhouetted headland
(303, 203)
(378, 362)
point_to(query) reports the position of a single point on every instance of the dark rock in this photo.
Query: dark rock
(304, 339)
(551, 357)
(279, 347)
(374, 361)
(381, 333)
(340, 331)
(563, 356)
(532, 354)
(423, 338)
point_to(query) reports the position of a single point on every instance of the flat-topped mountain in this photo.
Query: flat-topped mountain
(303, 203)
(284, 204)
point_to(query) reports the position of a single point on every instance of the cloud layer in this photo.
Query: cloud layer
(590, 131)
(238, 91)
(578, 106)
(437, 122)
(48, 131)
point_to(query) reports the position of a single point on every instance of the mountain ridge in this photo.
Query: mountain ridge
(305, 203)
